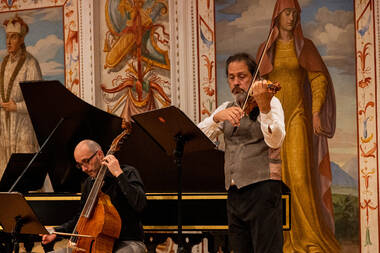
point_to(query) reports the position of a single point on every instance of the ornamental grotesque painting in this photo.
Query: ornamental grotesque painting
(135, 56)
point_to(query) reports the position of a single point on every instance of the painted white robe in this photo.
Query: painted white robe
(16, 130)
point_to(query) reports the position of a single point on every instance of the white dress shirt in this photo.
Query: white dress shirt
(272, 124)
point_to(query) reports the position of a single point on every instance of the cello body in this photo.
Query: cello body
(104, 225)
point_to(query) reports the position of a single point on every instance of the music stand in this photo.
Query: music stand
(33, 178)
(175, 133)
(17, 217)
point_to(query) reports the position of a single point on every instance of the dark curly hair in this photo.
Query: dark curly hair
(248, 59)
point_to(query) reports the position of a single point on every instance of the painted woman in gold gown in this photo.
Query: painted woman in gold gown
(308, 100)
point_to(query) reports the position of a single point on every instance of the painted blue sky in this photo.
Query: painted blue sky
(44, 40)
(309, 8)
(241, 25)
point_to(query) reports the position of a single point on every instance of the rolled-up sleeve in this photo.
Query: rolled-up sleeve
(273, 125)
(209, 127)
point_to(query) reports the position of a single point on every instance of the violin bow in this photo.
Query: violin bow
(258, 68)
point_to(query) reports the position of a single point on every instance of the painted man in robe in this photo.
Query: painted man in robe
(16, 130)
(308, 100)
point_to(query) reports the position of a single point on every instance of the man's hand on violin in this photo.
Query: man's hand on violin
(262, 94)
(232, 114)
(112, 164)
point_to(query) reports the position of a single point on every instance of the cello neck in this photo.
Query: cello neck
(97, 186)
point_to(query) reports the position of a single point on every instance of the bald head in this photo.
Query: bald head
(87, 145)
(88, 156)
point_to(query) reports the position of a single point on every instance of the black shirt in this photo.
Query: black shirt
(127, 195)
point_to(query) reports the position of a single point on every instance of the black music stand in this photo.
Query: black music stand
(17, 217)
(175, 133)
(33, 178)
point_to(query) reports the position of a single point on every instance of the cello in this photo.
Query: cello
(99, 223)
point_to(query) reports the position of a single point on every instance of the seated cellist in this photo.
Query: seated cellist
(124, 187)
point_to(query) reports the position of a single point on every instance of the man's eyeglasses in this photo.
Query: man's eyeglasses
(85, 161)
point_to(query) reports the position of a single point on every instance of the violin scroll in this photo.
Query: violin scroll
(273, 87)
(118, 141)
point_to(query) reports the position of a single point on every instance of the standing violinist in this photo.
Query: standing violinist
(125, 189)
(252, 159)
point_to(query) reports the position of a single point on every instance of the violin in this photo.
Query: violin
(251, 103)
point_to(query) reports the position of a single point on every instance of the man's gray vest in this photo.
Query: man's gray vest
(248, 159)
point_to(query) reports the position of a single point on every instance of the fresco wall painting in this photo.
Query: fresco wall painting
(135, 71)
(135, 67)
(69, 70)
(367, 123)
(206, 58)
